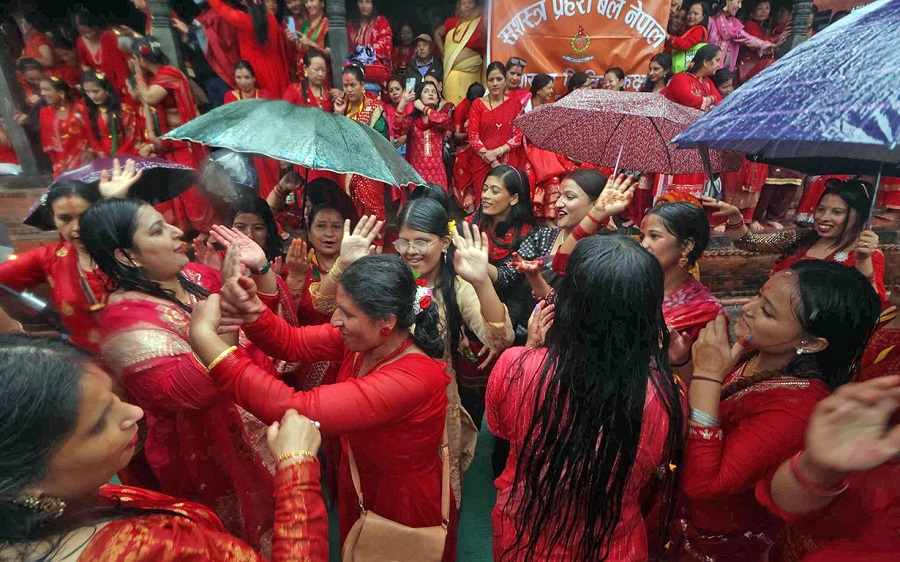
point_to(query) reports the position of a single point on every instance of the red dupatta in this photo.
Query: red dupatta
(172, 80)
(690, 307)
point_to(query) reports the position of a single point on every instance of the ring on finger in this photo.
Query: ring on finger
(315, 423)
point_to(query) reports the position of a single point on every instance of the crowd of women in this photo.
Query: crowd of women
(224, 367)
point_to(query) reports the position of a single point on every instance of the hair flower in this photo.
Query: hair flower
(451, 226)
(44, 200)
(422, 300)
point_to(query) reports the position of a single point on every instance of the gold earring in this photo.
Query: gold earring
(43, 505)
(683, 261)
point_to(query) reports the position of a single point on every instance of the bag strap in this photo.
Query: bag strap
(445, 477)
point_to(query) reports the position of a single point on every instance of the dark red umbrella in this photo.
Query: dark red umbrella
(596, 126)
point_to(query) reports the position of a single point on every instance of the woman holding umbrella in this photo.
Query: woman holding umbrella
(838, 233)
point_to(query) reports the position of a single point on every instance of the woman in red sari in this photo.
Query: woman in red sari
(367, 194)
(463, 188)
(262, 43)
(750, 62)
(591, 419)
(199, 444)
(883, 352)
(839, 494)
(114, 125)
(64, 434)
(424, 130)
(491, 132)
(804, 334)
(168, 102)
(64, 135)
(309, 33)
(838, 235)
(41, 48)
(371, 30)
(389, 403)
(99, 50)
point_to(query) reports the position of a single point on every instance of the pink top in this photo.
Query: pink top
(728, 33)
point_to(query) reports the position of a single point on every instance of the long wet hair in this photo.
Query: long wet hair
(427, 215)
(40, 397)
(113, 103)
(606, 350)
(516, 183)
(110, 225)
(258, 206)
(664, 60)
(61, 188)
(686, 222)
(383, 286)
(260, 19)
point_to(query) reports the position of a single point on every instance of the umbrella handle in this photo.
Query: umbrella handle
(874, 197)
(703, 148)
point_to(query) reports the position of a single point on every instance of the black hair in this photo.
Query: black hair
(584, 435)
(36, 19)
(360, 20)
(703, 54)
(88, 19)
(258, 206)
(327, 206)
(383, 286)
(578, 80)
(60, 86)
(110, 225)
(242, 64)
(61, 188)
(113, 103)
(260, 18)
(539, 82)
(496, 65)
(618, 73)
(476, 90)
(28, 63)
(516, 183)
(434, 192)
(323, 191)
(149, 48)
(664, 60)
(705, 9)
(421, 88)
(721, 76)
(307, 60)
(281, 10)
(591, 182)
(684, 221)
(356, 70)
(857, 196)
(429, 216)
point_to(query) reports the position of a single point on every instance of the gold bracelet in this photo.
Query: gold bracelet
(309, 455)
(219, 359)
(335, 272)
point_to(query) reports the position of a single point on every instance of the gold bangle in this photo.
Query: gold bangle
(308, 455)
(335, 272)
(219, 359)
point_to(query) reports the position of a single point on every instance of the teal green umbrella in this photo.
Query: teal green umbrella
(307, 136)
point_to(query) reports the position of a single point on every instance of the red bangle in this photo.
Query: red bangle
(707, 379)
(811, 486)
(578, 233)
(598, 222)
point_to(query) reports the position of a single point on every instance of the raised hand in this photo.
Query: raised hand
(240, 302)
(293, 433)
(206, 316)
(359, 243)
(866, 245)
(712, 355)
(471, 256)
(527, 267)
(539, 324)
(115, 183)
(205, 253)
(251, 255)
(340, 105)
(851, 429)
(679, 346)
(299, 260)
(721, 209)
(614, 198)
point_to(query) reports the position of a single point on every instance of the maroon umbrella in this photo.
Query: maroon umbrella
(596, 126)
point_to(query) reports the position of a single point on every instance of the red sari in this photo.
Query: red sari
(65, 140)
(690, 307)
(393, 418)
(108, 59)
(77, 298)
(425, 144)
(378, 35)
(268, 169)
(368, 194)
(510, 402)
(178, 96)
(301, 526)
(124, 138)
(199, 445)
(32, 49)
(490, 129)
(269, 61)
(882, 356)
(762, 425)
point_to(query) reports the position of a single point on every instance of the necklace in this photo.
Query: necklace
(465, 31)
(355, 114)
(404, 345)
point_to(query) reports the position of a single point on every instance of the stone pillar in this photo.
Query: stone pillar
(799, 25)
(31, 156)
(337, 37)
(161, 13)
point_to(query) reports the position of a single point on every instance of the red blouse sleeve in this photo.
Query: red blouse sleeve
(691, 38)
(276, 338)
(500, 411)
(877, 278)
(27, 270)
(475, 124)
(301, 522)
(177, 382)
(237, 18)
(717, 464)
(679, 91)
(381, 397)
(438, 120)
(383, 43)
(400, 124)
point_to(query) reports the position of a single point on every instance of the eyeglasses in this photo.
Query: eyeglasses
(515, 61)
(418, 246)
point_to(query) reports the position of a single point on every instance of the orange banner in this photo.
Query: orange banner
(562, 37)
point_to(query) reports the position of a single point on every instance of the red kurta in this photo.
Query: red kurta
(401, 56)
(378, 35)
(301, 526)
(223, 49)
(425, 144)
(685, 88)
(509, 402)
(690, 307)
(270, 61)
(491, 129)
(393, 418)
(128, 132)
(108, 59)
(57, 265)
(691, 38)
(761, 427)
(65, 140)
(294, 94)
(268, 169)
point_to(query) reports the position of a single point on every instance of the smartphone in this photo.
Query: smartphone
(410, 84)
(292, 24)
